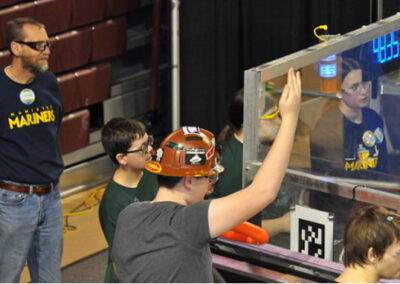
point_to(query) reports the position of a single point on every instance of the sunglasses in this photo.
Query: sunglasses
(36, 45)
(144, 148)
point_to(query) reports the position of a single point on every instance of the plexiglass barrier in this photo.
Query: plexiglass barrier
(347, 146)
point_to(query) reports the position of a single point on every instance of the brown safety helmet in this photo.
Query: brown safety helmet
(188, 151)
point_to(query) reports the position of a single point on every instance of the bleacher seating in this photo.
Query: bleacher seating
(4, 3)
(69, 91)
(86, 86)
(7, 14)
(72, 49)
(54, 14)
(94, 84)
(5, 58)
(108, 38)
(120, 7)
(74, 131)
(85, 12)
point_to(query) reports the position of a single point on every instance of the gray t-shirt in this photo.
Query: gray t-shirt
(163, 242)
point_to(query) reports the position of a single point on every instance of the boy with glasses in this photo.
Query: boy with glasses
(129, 146)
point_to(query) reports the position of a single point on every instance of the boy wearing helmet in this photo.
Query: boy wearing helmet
(166, 240)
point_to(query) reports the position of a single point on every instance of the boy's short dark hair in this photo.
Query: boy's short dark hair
(14, 29)
(168, 181)
(371, 227)
(119, 133)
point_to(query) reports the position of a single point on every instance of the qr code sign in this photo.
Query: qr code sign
(311, 232)
(312, 236)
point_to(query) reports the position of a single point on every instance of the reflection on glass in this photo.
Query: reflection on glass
(350, 132)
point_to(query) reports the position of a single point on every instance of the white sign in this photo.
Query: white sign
(311, 232)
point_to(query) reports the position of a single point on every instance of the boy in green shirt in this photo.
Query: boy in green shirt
(128, 145)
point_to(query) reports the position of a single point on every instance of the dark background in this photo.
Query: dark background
(220, 39)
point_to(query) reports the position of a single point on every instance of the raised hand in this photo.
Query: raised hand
(290, 101)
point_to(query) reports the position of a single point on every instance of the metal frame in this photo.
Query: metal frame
(255, 78)
(253, 88)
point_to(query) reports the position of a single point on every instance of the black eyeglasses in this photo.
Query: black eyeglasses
(144, 148)
(36, 45)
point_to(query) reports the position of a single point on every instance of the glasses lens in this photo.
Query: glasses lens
(41, 45)
(145, 147)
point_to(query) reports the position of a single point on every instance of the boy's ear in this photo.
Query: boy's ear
(121, 159)
(371, 255)
(187, 182)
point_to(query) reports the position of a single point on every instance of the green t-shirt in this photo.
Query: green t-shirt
(116, 197)
(230, 180)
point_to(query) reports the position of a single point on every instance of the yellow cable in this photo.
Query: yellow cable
(321, 27)
(90, 203)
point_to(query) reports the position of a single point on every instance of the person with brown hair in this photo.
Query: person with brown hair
(167, 239)
(31, 111)
(129, 146)
(348, 140)
(371, 246)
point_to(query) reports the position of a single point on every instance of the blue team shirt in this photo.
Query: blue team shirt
(30, 118)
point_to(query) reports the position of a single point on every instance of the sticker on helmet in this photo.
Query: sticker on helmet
(210, 152)
(159, 154)
(193, 138)
(174, 146)
(190, 130)
(153, 167)
(195, 156)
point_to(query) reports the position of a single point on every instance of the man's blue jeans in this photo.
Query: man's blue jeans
(30, 229)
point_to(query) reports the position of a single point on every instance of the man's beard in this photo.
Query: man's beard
(35, 68)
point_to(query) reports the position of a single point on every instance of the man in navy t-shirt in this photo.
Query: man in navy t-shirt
(30, 159)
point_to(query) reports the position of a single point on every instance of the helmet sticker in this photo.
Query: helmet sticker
(190, 130)
(153, 167)
(194, 138)
(159, 154)
(174, 146)
(195, 156)
(210, 152)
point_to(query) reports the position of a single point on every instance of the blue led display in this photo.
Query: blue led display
(327, 67)
(386, 48)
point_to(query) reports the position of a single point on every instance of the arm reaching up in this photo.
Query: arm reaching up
(227, 212)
